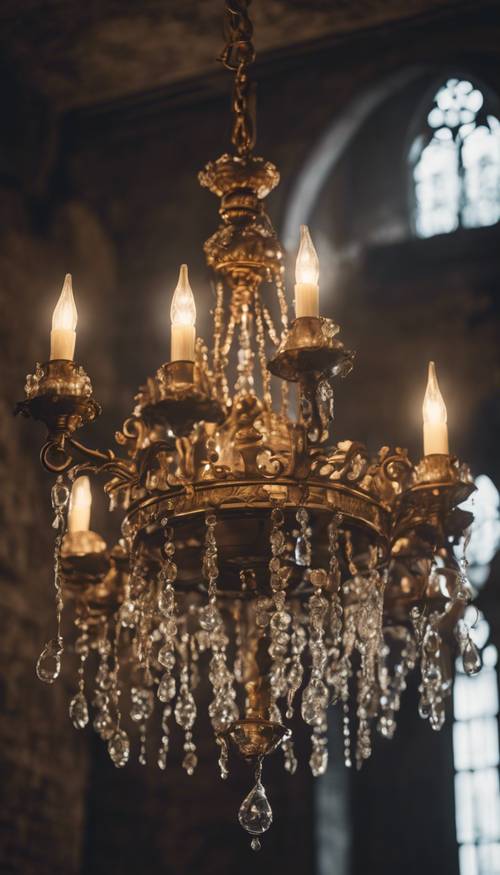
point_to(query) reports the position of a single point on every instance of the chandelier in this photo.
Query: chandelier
(292, 571)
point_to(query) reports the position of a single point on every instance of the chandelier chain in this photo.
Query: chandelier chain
(237, 55)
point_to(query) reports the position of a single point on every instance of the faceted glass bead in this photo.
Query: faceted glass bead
(318, 577)
(314, 702)
(128, 615)
(222, 713)
(166, 658)
(142, 704)
(166, 602)
(168, 628)
(255, 814)
(190, 762)
(471, 658)
(166, 688)
(79, 711)
(302, 551)
(280, 621)
(319, 761)
(277, 539)
(103, 678)
(103, 725)
(185, 710)
(209, 617)
(119, 748)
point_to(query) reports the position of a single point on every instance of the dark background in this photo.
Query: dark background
(109, 111)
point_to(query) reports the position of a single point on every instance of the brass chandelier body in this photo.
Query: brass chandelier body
(296, 572)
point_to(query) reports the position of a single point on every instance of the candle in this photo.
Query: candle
(306, 277)
(183, 316)
(434, 413)
(79, 506)
(64, 318)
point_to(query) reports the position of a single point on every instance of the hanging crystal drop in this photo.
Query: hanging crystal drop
(255, 814)
(471, 658)
(79, 711)
(119, 748)
(48, 667)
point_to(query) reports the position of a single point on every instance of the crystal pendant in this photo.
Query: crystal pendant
(255, 814)
(471, 658)
(79, 711)
(48, 667)
(119, 748)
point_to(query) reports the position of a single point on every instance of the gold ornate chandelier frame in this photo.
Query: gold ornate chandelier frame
(301, 568)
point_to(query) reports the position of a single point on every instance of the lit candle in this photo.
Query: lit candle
(64, 318)
(434, 413)
(306, 277)
(183, 316)
(79, 506)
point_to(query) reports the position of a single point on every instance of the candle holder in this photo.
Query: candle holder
(179, 396)
(310, 347)
(84, 558)
(59, 394)
(92, 575)
(430, 504)
(311, 355)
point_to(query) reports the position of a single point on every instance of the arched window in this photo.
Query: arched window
(476, 748)
(456, 163)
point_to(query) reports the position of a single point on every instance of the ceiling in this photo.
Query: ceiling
(81, 53)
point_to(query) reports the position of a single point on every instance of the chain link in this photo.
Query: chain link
(236, 56)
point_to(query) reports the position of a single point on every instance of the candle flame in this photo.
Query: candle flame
(307, 264)
(433, 408)
(183, 308)
(65, 314)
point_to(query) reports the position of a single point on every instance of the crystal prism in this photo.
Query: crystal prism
(255, 814)
(471, 658)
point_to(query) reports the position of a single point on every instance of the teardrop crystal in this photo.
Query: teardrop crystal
(79, 711)
(48, 667)
(471, 658)
(255, 814)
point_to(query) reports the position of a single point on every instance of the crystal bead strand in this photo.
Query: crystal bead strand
(298, 641)
(48, 667)
(471, 657)
(391, 689)
(78, 707)
(118, 743)
(168, 629)
(431, 705)
(369, 644)
(103, 722)
(185, 709)
(222, 709)
(265, 374)
(315, 696)
(141, 710)
(280, 618)
(281, 293)
(334, 632)
(223, 760)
